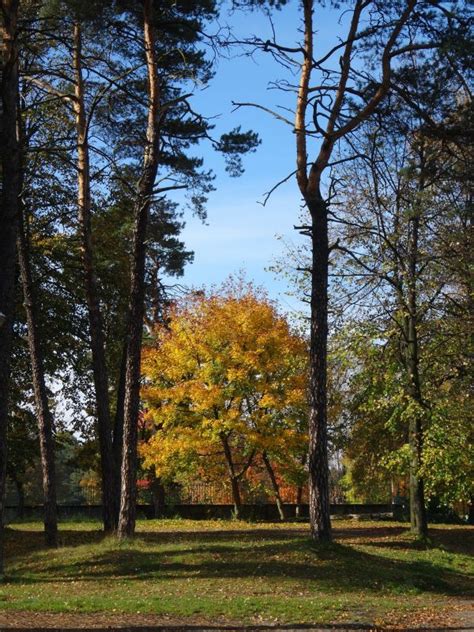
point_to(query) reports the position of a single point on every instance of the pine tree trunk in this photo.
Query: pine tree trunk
(275, 487)
(43, 412)
(319, 508)
(310, 187)
(126, 523)
(338, 124)
(101, 382)
(11, 182)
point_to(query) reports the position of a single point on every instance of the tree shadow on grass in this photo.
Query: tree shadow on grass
(455, 540)
(19, 543)
(319, 567)
(23, 541)
(458, 540)
(357, 533)
(451, 540)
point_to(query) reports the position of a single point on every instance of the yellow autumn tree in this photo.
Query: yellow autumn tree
(225, 384)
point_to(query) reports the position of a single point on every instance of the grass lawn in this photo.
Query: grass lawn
(240, 572)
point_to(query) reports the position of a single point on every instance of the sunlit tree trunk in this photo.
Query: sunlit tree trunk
(101, 382)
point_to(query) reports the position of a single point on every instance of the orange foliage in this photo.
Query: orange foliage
(227, 366)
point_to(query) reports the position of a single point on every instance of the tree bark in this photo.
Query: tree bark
(319, 507)
(309, 185)
(275, 486)
(126, 523)
(43, 412)
(309, 178)
(101, 382)
(11, 183)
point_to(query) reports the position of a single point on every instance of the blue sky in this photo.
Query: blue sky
(241, 234)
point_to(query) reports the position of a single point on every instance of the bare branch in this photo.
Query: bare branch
(269, 193)
(261, 107)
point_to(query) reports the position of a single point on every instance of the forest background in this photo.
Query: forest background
(98, 98)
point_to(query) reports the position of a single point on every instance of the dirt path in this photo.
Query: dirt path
(460, 617)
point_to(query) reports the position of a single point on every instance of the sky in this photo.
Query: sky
(240, 233)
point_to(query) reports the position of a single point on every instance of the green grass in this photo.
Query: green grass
(236, 571)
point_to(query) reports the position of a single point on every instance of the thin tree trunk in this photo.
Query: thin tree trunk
(419, 524)
(234, 479)
(117, 441)
(11, 182)
(418, 519)
(20, 512)
(126, 524)
(275, 486)
(299, 489)
(43, 412)
(157, 490)
(101, 382)
(319, 507)
(236, 497)
(299, 499)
